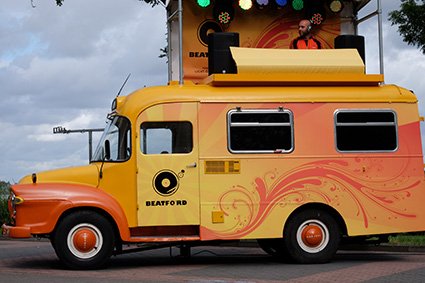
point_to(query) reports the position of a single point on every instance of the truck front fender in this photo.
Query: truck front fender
(44, 203)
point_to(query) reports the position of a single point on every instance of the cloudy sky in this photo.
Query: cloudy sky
(64, 65)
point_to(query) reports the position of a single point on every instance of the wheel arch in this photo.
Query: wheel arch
(320, 206)
(82, 197)
(94, 209)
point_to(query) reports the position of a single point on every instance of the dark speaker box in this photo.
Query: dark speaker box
(351, 41)
(220, 59)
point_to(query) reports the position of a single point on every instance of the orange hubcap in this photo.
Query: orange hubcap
(84, 240)
(312, 235)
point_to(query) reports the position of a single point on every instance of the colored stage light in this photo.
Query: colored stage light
(223, 11)
(281, 3)
(316, 19)
(260, 4)
(245, 4)
(224, 17)
(315, 11)
(203, 3)
(336, 6)
(297, 5)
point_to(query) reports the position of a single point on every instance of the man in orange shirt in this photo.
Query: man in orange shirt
(306, 39)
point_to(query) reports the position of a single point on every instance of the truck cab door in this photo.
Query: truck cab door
(167, 165)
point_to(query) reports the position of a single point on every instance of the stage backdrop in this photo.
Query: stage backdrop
(257, 28)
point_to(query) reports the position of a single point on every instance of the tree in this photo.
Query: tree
(4, 193)
(410, 19)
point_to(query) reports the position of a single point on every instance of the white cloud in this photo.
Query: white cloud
(43, 132)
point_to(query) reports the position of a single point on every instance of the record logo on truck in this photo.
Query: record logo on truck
(166, 183)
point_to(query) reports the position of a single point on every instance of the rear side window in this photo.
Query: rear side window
(260, 131)
(366, 130)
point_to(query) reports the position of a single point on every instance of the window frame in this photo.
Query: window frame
(124, 135)
(261, 111)
(370, 110)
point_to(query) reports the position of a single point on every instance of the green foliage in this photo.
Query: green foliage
(164, 52)
(153, 3)
(4, 194)
(410, 19)
(408, 239)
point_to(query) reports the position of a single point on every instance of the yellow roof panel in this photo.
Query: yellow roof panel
(136, 102)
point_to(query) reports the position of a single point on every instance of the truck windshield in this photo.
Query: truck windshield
(116, 136)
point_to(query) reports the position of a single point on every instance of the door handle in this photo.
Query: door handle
(193, 165)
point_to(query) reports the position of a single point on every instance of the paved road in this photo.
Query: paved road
(35, 261)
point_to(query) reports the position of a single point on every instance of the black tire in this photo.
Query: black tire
(311, 236)
(84, 240)
(52, 242)
(273, 247)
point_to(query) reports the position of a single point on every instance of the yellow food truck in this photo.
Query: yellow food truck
(298, 150)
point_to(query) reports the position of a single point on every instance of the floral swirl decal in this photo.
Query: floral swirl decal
(358, 189)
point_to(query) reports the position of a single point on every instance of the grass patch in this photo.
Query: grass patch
(408, 240)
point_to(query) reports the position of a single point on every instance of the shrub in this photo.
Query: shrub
(4, 194)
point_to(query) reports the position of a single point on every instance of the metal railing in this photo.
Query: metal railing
(63, 130)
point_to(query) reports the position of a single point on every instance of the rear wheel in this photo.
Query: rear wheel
(311, 236)
(84, 240)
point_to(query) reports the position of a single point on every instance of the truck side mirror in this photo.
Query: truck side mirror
(107, 150)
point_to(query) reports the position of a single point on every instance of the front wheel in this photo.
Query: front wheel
(311, 236)
(84, 240)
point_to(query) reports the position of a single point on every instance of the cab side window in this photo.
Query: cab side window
(166, 137)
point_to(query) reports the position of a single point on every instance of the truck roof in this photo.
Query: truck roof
(278, 76)
(139, 100)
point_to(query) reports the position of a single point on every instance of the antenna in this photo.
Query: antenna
(119, 92)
